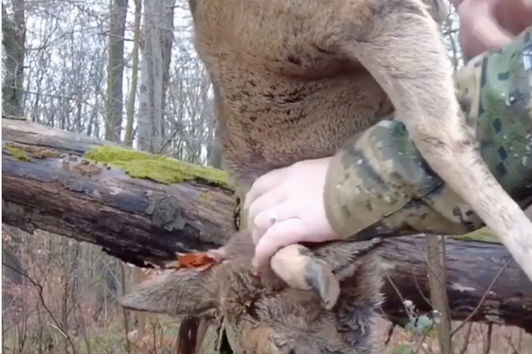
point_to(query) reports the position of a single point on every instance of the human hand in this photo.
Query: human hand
(491, 24)
(286, 206)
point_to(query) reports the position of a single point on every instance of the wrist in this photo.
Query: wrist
(362, 185)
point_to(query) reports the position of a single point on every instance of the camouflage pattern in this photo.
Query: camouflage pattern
(380, 185)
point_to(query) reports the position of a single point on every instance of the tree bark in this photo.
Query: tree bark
(145, 222)
(156, 51)
(438, 291)
(13, 40)
(214, 148)
(130, 109)
(115, 70)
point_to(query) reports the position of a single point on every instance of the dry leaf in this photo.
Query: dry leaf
(199, 261)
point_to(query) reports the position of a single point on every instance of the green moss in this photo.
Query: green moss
(480, 235)
(17, 152)
(159, 168)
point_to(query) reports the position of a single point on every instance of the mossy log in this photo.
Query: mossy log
(51, 183)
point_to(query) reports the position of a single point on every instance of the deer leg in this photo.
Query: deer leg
(405, 54)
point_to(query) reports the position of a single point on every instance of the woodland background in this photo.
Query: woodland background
(126, 71)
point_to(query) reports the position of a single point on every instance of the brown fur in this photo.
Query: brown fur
(286, 90)
(262, 314)
(281, 98)
(294, 80)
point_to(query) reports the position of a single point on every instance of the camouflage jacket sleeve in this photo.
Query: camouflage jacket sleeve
(380, 185)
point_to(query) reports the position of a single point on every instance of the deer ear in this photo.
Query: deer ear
(177, 293)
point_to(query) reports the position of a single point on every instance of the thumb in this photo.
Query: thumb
(281, 234)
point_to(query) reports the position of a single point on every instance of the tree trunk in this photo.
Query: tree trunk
(156, 52)
(214, 147)
(214, 150)
(438, 291)
(130, 109)
(13, 39)
(144, 222)
(115, 70)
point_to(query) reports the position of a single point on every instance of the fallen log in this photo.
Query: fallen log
(137, 220)
(49, 184)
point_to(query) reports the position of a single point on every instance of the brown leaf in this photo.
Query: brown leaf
(198, 260)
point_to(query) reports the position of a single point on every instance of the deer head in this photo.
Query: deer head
(263, 314)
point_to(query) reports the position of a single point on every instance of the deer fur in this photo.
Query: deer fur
(262, 313)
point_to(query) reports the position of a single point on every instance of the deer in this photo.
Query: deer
(297, 80)
(263, 314)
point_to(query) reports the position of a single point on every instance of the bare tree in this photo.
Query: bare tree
(115, 70)
(64, 84)
(13, 39)
(438, 291)
(214, 148)
(156, 52)
(130, 111)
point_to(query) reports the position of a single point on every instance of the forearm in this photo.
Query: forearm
(380, 185)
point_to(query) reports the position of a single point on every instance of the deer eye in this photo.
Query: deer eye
(292, 351)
